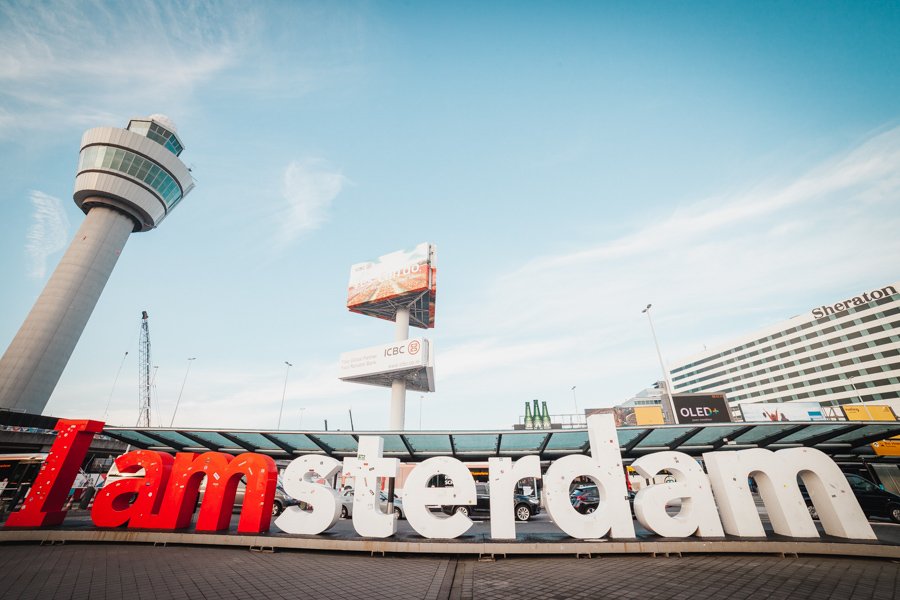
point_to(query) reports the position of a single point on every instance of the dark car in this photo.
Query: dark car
(585, 499)
(525, 507)
(874, 501)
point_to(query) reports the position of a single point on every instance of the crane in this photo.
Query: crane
(144, 383)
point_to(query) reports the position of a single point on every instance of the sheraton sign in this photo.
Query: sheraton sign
(164, 496)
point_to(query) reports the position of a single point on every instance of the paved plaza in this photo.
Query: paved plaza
(108, 571)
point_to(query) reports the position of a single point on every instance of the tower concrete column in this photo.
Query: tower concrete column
(127, 180)
(34, 361)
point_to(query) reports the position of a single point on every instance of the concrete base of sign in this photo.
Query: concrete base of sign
(531, 545)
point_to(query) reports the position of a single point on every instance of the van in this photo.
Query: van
(874, 501)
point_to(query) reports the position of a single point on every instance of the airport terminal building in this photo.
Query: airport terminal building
(842, 353)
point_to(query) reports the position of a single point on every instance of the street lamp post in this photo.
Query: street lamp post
(575, 400)
(283, 392)
(668, 405)
(177, 402)
(300, 423)
(858, 397)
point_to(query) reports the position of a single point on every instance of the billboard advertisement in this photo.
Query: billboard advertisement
(629, 416)
(701, 408)
(411, 360)
(862, 412)
(787, 411)
(406, 277)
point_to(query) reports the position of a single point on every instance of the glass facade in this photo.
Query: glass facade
(138, 167)
(160, 135)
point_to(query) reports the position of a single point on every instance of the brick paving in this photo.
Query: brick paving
(101, 571)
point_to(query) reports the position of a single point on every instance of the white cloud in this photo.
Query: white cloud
(86, 62)
(47, 234)
(309, 187)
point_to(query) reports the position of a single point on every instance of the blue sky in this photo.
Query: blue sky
(733, 163)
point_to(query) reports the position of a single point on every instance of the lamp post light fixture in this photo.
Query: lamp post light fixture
(575, 400)
(184, 381)
(283, 392)
(668, 404)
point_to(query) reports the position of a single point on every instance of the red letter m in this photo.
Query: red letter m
(223, 474)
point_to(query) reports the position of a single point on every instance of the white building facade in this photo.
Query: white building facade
(842, 353)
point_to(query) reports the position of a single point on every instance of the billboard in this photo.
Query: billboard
(403, 278)
(862, 412)
(787, 411)
(701, 408)
(875, 412)
(629, 416)
(411, 360)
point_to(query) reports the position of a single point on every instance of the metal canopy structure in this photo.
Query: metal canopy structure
(845, 438)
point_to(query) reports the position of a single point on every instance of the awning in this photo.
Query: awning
(833, 438)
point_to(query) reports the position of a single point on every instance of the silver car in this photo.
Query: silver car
(347, 504)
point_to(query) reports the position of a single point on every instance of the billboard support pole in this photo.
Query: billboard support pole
(398, 386)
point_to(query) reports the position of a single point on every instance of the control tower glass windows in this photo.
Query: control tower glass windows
(158, 134)
(138, 167)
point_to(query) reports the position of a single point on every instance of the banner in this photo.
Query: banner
(701, 408)
(786, 411)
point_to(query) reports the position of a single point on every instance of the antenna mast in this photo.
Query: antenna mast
(144, 383)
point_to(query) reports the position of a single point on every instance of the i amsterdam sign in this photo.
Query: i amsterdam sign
(164, 497)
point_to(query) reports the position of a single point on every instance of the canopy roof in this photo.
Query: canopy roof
(833, 438)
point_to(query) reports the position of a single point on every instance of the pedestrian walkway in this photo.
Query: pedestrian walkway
(110, 571)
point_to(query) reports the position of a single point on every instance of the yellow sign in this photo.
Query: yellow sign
(861, 412)
(649, 415)
(889, 447)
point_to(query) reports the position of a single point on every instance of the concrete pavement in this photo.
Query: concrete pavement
(107, 571)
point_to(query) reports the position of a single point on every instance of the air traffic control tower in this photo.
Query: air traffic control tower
(128, 180)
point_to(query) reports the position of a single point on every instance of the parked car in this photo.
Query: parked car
(347, 504)
(874, 501)
(524, 506)
(585, 499)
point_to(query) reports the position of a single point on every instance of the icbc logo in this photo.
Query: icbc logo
(414, 347)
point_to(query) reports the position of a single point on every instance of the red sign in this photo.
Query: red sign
(163, 497)
(44, 503)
